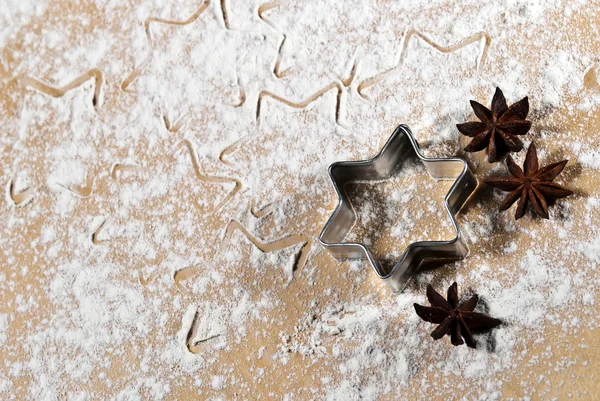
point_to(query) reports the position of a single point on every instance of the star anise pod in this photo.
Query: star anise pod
(498, 128)
(454, 319)
(532, 186)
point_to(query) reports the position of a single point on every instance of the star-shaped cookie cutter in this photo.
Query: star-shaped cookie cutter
(383, 166)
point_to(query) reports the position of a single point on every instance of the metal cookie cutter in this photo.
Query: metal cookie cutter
(383, 166)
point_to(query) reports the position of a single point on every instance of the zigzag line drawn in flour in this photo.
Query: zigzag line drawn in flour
(273, 246)
(412, 33)
(262, 9)
(210, 178)
(144, 64)
(303, 103)
(94, 73)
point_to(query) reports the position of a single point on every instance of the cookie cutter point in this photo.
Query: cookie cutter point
(387, 162)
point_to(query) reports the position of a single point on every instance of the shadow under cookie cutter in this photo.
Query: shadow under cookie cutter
(383, 166)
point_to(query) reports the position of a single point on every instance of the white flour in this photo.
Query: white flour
(111, 319)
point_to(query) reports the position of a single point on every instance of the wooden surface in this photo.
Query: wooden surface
(157, 263)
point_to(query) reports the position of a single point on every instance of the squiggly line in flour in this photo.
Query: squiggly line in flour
(443, 49)
(303, 103)
(210, 178)
(49, 90)
(144, 64)
(262, 9)
(273, 246)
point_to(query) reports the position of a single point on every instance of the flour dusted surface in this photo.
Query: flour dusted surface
(165, 174)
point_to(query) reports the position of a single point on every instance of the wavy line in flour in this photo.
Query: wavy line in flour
(21, 198)
(263, 8)
(443, 49)
(144, 64)
(210, 178)
(302, 104)
(274, 246)
(49, 90)
(343, 83)
(188, 272)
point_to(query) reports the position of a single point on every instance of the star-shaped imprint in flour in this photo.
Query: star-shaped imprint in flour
(321, 36)
(56, 148)
(162, 209)
(387, 162)
(198, 61)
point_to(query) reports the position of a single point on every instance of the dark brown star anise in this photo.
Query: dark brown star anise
(498, 128)
(533, 186)
(454, 319)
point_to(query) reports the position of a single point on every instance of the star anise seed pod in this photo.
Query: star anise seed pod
(533, 186)
(454, 319)
(498, 128)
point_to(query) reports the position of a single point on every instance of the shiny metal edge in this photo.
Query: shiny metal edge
(383, 166)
